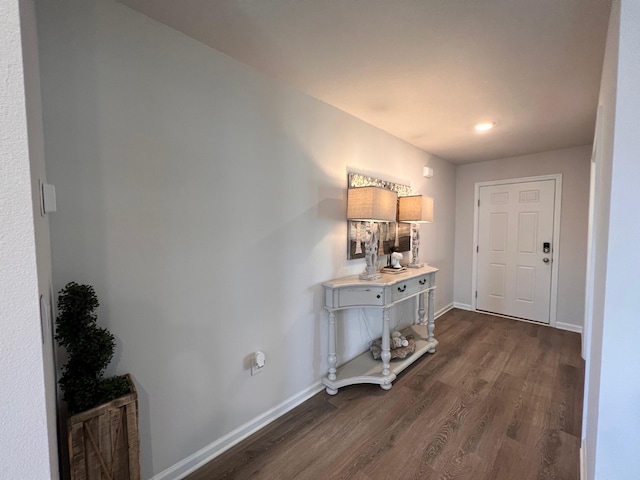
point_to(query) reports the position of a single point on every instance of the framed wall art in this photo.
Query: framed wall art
(393, 236)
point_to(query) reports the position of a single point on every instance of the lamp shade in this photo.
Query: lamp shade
(371, 204)
(415, 209)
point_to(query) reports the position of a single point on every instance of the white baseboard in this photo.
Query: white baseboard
(570, 327)
(444, 310)
(211, 451)
(583, 460)
(462, 306)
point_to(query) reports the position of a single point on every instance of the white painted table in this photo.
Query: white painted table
(351, 292)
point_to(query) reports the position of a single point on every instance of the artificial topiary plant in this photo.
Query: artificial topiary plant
(89, 348)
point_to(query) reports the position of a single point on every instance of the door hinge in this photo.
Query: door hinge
(477, 248)
(478, 202)
(476, 294)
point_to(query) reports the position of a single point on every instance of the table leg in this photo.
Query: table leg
(431, 325)
(332, 359)
(421, 309)
(386, 347)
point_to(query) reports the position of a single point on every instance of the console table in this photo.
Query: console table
(351, 292)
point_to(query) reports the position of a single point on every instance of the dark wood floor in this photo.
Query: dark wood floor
(500, 400)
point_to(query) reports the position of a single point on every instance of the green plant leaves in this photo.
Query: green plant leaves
(90, 349)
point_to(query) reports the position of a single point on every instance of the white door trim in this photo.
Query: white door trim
(556, 236)
(596, 154)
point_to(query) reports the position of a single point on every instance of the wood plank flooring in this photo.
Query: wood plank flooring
(499, 400)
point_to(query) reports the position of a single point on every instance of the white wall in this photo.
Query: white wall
(573, 164)
(27, 419)
(600, 235)
(613, 390)
(206, 204)
(41, 222)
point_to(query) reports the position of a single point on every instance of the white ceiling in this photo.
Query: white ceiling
(425, 71)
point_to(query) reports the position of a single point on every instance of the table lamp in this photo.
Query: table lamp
(415, 209)
(371, 204)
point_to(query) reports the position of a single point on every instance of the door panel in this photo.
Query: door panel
(495, 282)
(525, 284)
(527, 232)
(513, 222)
(499, 232)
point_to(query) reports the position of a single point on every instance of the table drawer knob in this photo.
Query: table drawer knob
(378, 296)
(423, 281)
(402, 289)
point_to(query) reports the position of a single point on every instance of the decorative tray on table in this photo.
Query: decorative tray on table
(393, 270)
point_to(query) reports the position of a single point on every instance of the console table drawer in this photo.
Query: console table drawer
(360, 296)
(411, 286)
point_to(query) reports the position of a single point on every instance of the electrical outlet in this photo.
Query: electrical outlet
(258, 361)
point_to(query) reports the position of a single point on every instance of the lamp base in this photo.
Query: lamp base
(370, 276)
(415, 265)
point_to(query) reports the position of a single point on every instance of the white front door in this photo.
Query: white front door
(515, 230)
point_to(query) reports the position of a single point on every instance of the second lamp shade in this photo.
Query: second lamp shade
(415, 209)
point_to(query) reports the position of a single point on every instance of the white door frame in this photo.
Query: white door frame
(556, 237)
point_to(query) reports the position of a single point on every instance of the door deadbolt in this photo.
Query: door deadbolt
(546, 247)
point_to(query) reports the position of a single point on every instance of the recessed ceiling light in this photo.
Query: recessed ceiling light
(481, 127)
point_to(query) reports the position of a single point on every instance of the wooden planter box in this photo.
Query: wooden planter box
(104, 442)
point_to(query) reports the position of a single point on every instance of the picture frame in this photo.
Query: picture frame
(394, 236)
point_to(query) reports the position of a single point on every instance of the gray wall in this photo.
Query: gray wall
(573, 164)
(206, 204)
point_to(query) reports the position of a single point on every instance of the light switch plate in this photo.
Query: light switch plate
(48, 194)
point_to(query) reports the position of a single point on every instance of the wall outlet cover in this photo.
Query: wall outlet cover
(257, 362)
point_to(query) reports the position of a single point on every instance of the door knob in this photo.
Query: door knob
(545, 260)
